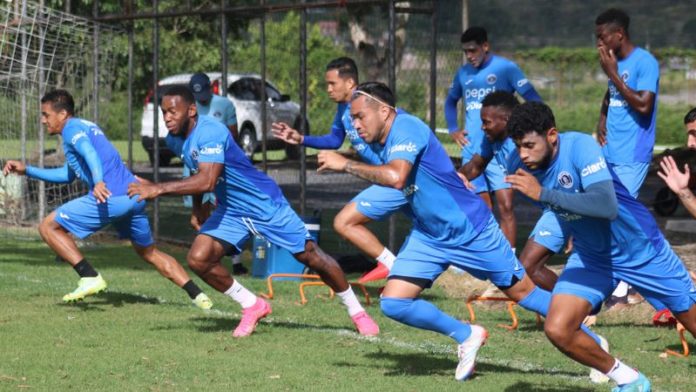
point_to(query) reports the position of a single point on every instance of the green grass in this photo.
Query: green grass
(143, 334)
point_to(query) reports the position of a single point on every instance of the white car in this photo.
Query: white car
(245, 93)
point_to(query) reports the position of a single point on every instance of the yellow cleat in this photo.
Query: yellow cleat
(202, 302)
(86, 287)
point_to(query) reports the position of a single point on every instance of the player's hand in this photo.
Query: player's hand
(101, 192)
(525, 183)
(285, 133)
(16, 167)
(466, 182)
(672, 176)
(331, 160)
(459, 137)
(144, 191)
(569, 246)
(602, 131)
(608, 61)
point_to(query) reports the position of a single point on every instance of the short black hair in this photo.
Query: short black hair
(615, 17)
(346, 68)
(60, 100)
(530, 117)
(477, 34)
(501, 99)
(690, 117)
(181, 91)
(378, 90)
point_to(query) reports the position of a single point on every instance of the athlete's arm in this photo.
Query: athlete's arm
(678, 182)
(87, 151)
(641, 101)
(201, 182)
(602, 124)
(532, 95)
(197, 212)
(474, 167)
(392, 174)
(586, 203)
(60, 175)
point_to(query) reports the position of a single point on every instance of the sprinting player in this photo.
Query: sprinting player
(626, 127)
(452, 226)
(547, 237)
(374, 203)
(249, 202)
(484, 73)
(615, 237)
(93, 159)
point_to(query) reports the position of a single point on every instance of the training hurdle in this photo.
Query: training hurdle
(510, 306)
(311, 280)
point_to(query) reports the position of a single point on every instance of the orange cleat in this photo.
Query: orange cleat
(378, 273)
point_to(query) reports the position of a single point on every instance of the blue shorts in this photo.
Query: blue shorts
(661, 280)
(378, 202)
(487, 256)
(548, 233)
(493, 177)
(284, 229)
(83, 217)
(631, 175)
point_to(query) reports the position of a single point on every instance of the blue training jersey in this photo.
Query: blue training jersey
(242, 190)
(631, 135)
(473, 84)
(220, 108)
(115, 174)
(630, 239)
(444, 210)
(341, 127)
(498, 151)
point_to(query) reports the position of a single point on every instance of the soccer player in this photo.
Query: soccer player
(615, 237)
(452, 225)
(93, 159)
(484, 73)
(626, 127)
(547, 237)
(374, 203)
(249, 202)
(677, 181)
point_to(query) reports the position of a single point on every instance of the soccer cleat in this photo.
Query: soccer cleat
(634, 297)
(642, 384)
(365, 325)
(616, 303)
(378, 273)
(596, 376)
(86, 287)
(202, 302)
(467, 352)
(251, 317)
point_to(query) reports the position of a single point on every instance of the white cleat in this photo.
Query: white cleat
(467, 352)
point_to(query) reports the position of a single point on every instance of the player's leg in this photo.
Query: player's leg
(544, 241)
(419, 264)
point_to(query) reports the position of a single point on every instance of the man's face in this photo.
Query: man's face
(536, 150)
(339, 88)
(177, 114)
(609, 37)
(691, 135)
(52, 120)
(475, 54)
(494, 121)
(368, 119)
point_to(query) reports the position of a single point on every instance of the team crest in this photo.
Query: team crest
(565, 180)
(624, 75)
(194, 155)
(491, 78)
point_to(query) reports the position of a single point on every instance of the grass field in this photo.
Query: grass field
(143, 334)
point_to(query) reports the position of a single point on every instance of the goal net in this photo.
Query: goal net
(42, 49)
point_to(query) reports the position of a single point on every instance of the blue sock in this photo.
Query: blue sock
(539, 301)
(424, 315)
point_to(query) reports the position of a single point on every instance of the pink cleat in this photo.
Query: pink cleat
(251, 317)
(365, 325)
(378, 273)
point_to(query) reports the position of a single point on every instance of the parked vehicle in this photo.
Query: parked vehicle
(244, 90)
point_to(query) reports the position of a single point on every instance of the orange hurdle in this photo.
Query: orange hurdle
(510, 306)
(685, 345)
(269, 281)
(303, 298)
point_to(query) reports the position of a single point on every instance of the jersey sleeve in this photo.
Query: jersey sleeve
(589, 161)
(453, 96)
(406, 143)
(486, 150)
(174, 143)
(517, 80)
(333, 140)
(78, 139)
(212, 144)
(230, 113)
(648, 74)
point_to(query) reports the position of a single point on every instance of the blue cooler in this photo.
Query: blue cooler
(270, 259)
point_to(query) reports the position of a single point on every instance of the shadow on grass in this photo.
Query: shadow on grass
(112, 298)
(221, 324)
(528, 386)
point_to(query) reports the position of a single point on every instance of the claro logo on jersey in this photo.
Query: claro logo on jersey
(478, 92)
(212, 150)
(410, 147)
(77, 137)
(594, 167)
(409, 190)
(522, 82)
